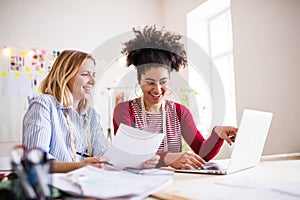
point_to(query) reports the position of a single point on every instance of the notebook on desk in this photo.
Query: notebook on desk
(248, 146)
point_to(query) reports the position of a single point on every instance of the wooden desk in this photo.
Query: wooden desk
(271, 170)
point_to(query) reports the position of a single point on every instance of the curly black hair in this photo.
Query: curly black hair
(152, 46)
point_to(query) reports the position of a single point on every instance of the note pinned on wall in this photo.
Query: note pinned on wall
(3, 74)
(23, 53)
(16, 85)
(41, 71)
(12, 52)
(30, 75)
(43, 52)
(17, 74)
(27, 69)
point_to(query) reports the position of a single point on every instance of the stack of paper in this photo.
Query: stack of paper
(102, 184)
(131, 147)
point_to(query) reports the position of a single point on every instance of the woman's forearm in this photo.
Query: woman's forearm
(63, 167)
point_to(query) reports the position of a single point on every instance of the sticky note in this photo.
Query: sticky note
(43, 52)
(17, 74)
(27, 69)
(41, 71)
(23, 53)
(3, 74)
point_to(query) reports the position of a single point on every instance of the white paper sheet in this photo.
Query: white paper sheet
(99, 183)
(16, 86)
(131, 147)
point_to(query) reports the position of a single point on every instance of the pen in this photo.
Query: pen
(83, 154)
(87, 156)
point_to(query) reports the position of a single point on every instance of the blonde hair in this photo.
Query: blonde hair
(64, 68)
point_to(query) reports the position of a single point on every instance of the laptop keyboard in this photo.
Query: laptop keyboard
(211, 166)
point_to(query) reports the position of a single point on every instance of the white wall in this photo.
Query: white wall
(72, 24)
(266, 53)
(266, 59)
(56, 25)
(174, 13)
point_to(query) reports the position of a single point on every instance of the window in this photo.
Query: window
(220, 45)
(209, 25)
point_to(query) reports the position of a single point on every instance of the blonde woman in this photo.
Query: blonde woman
(61, 121)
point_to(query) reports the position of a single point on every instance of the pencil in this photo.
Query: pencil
(88, 156)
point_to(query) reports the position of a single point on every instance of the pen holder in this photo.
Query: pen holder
(31, 168)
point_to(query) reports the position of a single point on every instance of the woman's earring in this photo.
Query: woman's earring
(169, 91)
(137, 90)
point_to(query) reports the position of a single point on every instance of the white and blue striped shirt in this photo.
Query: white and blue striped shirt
(45, 126)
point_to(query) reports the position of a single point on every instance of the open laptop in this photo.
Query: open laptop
(248, 146)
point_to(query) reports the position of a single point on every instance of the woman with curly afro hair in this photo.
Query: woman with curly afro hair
(155, 54)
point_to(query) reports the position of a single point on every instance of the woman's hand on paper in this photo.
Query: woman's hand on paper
(228, 133)
(184, 160)
(151, 163)
(95, 161)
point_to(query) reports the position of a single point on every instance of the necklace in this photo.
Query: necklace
(72, 136)
(164, 121)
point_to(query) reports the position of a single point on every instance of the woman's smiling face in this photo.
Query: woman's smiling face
(154, 84)
(82, 84)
